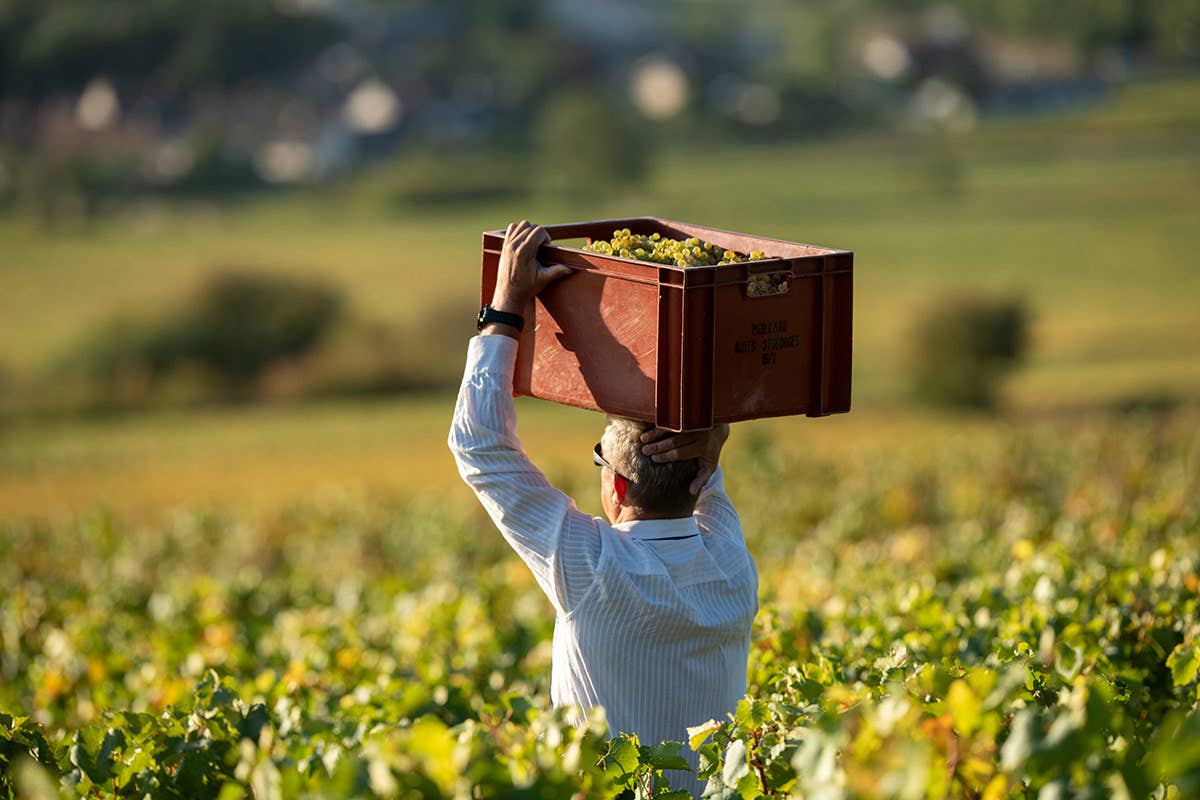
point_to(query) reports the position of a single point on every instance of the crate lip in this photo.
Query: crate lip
(826, 251)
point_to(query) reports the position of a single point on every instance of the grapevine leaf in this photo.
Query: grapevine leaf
(252, 724)
(736, 766)
(1184, 663)
(699, 734)
(623, 754)
(433, 743)
(664, 755)
(1068, 672)
(231, 791)
(1021, 741)
(518, 706)
(751, 713)
(710, 760)
(965, 707)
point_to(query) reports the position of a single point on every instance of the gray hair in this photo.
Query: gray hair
(659, 488)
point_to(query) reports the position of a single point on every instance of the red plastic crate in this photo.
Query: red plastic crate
(686, 348)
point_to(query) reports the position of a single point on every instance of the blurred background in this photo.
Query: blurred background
(239, 239)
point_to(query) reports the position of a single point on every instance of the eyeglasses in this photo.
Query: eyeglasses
(600, 461)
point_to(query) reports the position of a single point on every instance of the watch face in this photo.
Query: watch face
(479, 321)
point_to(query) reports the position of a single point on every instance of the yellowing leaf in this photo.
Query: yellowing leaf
(995, 789)
(433, 743)
(964, 706)
(699, 734)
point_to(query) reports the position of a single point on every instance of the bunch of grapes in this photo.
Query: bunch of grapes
(658, 249)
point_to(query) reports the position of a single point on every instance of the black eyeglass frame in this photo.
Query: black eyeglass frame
(600, 461)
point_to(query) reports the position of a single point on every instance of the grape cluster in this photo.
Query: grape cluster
(767, 283)
(658, 249)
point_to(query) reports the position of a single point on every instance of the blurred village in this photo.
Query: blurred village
(103, 101)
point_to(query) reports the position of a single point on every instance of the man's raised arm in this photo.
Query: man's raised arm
(541, 523)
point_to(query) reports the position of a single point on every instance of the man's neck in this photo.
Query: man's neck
(628, 514)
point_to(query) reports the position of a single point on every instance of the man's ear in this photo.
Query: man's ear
(620, 486)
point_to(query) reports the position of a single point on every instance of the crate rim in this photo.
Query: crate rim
(828, 251)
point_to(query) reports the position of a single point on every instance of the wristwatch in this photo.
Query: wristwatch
(488, 314)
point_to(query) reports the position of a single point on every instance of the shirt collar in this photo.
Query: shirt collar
(659, 528)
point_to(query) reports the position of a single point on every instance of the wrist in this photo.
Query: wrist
(507, 302)
(499, 329)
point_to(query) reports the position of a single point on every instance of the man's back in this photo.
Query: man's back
(653, 617)
(662, 640)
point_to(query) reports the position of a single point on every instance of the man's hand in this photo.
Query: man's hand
(520, 276)
(706, 445)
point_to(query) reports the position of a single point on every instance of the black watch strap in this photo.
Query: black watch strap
(487, 314)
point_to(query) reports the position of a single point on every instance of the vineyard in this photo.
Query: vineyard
(1010, 613)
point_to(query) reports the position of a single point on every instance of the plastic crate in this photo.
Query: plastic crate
(686, 348)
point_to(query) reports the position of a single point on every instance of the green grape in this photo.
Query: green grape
(658, 249)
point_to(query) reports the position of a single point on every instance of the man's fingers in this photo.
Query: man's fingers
(520, 235)
(655, 433)
(553, 272)
(530, 239)
(685, 453)
(514, 228)
(678, 442)
(515, 232)
(665, 438)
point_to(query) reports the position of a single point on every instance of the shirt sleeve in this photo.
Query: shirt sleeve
(559, 543)
(714, 510)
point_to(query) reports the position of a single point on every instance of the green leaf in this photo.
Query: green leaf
(622, 754)
(751, 713)
(1184, 662)
(257, 718)
(664, 755)
(231, 791)
(518, 706)
(710, 760)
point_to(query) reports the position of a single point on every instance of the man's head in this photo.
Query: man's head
(638, 486)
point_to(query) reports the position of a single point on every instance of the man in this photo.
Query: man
(654, 606)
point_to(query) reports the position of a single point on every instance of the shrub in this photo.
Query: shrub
(241, 322)
(229, 333)
(252, 336)
(364, 358)
(964, 346)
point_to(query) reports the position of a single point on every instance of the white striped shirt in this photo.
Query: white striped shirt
(653, 617)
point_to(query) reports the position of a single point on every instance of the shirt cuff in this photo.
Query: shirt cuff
(494, 354)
